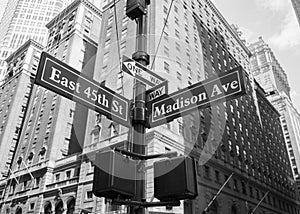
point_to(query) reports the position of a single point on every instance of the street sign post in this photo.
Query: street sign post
(225, 86)
(68, 82)
(140, 72)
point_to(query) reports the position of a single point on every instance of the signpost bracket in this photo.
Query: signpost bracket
(146, 157)
(145, 204)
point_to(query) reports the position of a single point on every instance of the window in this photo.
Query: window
(68, 174)
(166, 51)
(257, 194)
(165, 10)
(177, 34)
(206, 172)
(108, 32)
(57, 177)
(235, 185)
(76, 172)
(177, 46)
(166, 36)
(31, 207)
(179, 75)
(217, 176)
(124, 33)
(107, 43)
(37, 182)
(89, 195)
(166, 67)
(24, 185)
(110, 20)
(176, 9)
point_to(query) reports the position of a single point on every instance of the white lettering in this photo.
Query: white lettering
(116, 107)
(225, 87)
(234, 84)
(216, 90)
(161, 111)
(55, 73)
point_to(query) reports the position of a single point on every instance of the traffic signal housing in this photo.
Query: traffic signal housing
(114, 176)
(136, 8)
(175, 179)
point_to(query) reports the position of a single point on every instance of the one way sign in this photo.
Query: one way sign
(140, 72)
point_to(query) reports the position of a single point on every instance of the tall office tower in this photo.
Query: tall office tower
(296, 5)
(266, 68)
(15, 93)
(231, 137)
(271, 76)
(290, 122)
(45, 170)
(23, 20)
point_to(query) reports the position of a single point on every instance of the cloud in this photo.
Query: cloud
(274, 5)
(248, 35)
(289, 34)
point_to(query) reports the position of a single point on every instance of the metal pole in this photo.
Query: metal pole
(139, 112)
(261, 200)
(216, 195)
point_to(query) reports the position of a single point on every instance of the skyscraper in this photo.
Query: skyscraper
(266, 68)
(273, 79)
(197, 43)
(53, 126)
(296, 5)
(15, 95)
(23, 20)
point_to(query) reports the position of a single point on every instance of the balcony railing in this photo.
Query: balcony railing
(105, 143)
(31, 168)
(67, 160)
(62, 184)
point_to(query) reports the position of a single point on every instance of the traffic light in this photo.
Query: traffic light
(114, 176)
(136, 8)
(175, 179)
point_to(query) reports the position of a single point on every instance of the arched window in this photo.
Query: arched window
(96, 132)
(42, 153)
(47, 208)
(59, 207)
(233, 210)
(30, 158)
(19, 210)
(71, 206)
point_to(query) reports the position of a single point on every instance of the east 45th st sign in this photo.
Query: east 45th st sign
(68, 82)
(226, 86)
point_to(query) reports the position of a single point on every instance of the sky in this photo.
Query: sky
(276, 22)
(2, 7)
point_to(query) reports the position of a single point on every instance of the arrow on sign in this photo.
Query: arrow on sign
(141, 72)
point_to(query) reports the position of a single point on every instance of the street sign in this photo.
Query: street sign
(224, 87)
(140, 72)
(70, 83)
(157, 91)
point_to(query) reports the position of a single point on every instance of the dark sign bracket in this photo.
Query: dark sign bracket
(146, 157)
(145, 204)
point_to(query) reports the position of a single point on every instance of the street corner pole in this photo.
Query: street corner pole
(139, 112)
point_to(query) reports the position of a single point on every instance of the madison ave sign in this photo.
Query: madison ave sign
(226, 86)
(68, 82)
